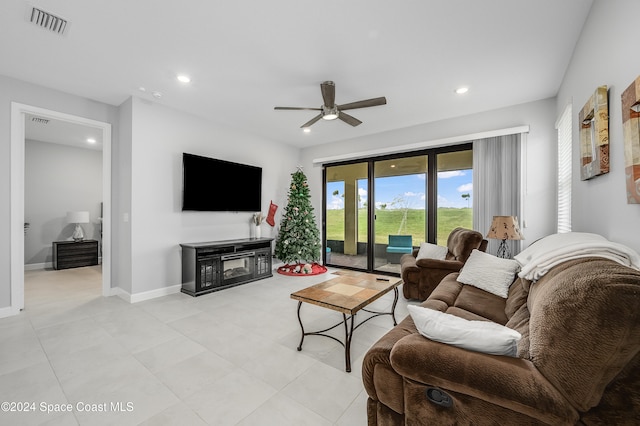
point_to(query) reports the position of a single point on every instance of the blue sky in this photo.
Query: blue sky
(409, 191)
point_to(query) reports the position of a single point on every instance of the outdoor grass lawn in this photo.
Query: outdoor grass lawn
(389, 221)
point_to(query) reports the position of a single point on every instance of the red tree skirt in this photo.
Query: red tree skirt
(302, 269)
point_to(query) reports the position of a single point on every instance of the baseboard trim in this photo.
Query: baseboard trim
(117, 291)
(8, 312)
(146, 295)
(38, 266)
(46, 265)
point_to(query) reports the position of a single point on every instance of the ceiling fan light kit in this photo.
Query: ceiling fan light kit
(330, 111)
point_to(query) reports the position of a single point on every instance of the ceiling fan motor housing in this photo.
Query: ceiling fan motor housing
(330, 113)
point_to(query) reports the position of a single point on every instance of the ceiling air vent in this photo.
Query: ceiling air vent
(48, 21)
(40, 120)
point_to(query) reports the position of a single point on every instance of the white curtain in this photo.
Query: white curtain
(496, 184)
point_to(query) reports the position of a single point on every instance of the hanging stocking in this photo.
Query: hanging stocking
(271, 214)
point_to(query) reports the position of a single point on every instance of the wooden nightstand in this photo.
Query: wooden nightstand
(71, 254)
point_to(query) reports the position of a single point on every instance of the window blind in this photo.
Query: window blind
(564, 127)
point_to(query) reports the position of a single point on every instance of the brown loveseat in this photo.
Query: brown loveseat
(421, 276)
(578, 361)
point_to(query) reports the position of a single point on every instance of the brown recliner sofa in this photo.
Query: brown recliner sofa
(421, 276)
(578, 361)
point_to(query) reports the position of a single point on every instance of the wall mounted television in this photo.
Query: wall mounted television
(209, 184)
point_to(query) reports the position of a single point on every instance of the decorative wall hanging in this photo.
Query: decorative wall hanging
(594, 135)
(631, 135)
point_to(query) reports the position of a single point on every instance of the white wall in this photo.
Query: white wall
(606, 54)
(59, 178)
(539, 151)
(159, 137)
(12, 90)
(121, 229)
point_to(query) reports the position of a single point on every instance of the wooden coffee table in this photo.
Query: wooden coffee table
(348, 293)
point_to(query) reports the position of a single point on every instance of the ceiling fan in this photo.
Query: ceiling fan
(330, 111)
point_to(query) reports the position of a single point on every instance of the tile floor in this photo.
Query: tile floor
(226, 358)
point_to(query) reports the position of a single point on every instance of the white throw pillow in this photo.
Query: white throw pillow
(480, 336)
(489, 273)
(431, 251)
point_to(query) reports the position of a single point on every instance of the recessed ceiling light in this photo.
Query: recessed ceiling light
(306, 130)
(462, 90)
(91, 140)
(184, 78)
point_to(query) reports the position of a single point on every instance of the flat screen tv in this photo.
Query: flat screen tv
(215, 185)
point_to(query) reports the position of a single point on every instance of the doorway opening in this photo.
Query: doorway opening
(19, 113)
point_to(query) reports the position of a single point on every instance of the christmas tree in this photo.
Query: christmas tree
(299, 237)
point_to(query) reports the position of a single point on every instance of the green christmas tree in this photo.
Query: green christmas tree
(299, 237)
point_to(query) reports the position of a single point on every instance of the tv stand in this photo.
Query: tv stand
(216, 265)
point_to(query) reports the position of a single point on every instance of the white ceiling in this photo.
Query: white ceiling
(245, 57)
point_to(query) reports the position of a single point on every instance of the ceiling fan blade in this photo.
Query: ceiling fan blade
(363, 104)
(328, 89)
(298, 108)
(349, 119)
(310, 122)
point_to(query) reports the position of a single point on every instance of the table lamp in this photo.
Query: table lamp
(505, 228)
(78, 218)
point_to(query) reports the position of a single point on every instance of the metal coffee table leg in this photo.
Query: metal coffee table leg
(301, 326)
(348, 334)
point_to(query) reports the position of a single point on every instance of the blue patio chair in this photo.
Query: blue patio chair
(398, 245)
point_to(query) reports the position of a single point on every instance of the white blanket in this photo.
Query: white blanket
(537, 259)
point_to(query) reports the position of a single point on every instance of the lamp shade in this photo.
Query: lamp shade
(78, 217)
(505, 228)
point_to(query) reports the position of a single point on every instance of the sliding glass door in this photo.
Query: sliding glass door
(376, 210)
(345, 216)
(400, 188)
(455, 193)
